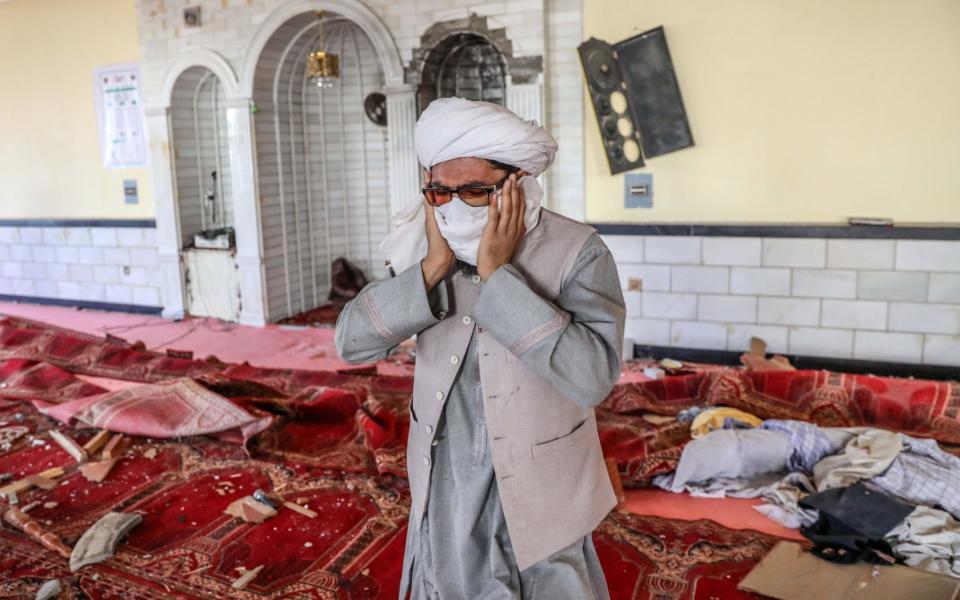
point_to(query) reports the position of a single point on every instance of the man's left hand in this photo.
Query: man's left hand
(504, 230)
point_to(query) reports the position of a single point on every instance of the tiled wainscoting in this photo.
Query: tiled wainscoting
(107, 264)
(887, 300)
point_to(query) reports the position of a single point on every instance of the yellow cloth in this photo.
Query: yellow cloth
(714, 418)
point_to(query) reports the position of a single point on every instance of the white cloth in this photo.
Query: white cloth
(457, 128)
(929, 539)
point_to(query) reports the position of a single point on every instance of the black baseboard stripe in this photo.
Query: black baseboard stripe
(840, 365)
(145, 223)
(906, 232)
(108, 306)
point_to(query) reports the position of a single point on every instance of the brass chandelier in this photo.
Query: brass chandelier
(323, 68)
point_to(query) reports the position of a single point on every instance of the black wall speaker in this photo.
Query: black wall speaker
(636, 98)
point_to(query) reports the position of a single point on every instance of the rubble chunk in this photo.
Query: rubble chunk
(99, 542)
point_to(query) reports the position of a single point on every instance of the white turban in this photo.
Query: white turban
(452, 128)
(456, 128)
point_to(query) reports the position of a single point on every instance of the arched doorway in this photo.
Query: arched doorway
(204, 197)
(466, 65)
(322, 167)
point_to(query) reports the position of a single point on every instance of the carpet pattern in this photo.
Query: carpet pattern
(336, 440)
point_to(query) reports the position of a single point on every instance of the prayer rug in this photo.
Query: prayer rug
(336, 439)
(186, 547)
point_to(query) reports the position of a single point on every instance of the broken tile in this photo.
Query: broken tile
(300, 509)
(246, 577)
(97, 471)
(71, 447)
(97, 441)
(115, 447)
(99, 542)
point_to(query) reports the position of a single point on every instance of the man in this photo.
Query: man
(519, 321)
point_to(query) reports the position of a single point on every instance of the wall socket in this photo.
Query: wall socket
(130, 192)
(638, 190)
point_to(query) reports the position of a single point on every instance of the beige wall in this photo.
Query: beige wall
(806, 111)
(49, 150)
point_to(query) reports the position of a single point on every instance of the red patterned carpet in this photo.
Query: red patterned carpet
(336, 440)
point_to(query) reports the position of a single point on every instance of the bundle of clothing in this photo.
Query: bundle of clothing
(857, 493)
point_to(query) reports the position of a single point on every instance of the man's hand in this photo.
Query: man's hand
(504, 230)
(439, 257)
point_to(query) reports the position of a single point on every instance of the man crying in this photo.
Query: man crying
(519, 321)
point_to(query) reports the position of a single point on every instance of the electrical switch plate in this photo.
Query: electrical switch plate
(638, 190)
(130, 191)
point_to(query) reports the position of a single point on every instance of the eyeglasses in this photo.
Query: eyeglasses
(471, 194)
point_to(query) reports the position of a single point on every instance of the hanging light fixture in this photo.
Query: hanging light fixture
(323, 68)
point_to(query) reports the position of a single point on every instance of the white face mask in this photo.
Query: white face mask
(462, 225)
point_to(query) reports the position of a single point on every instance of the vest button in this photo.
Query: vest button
(454, 359)
(439, 395)
(476, 278)
(467, 320)
(429, 428)
(426, 461)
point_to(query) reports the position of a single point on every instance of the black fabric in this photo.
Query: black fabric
(852, 522)
(346, 282)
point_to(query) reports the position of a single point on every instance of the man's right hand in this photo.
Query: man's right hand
(439, 257)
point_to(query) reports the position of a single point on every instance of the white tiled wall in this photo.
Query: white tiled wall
(116, 265)
(884, 300)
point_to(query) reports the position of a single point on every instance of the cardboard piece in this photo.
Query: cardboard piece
(789, 572)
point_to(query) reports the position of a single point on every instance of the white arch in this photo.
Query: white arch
(200, 57)
(354, 10)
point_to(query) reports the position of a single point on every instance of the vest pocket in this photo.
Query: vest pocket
(573, 438)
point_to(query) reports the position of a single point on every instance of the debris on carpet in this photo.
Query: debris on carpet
(99, 542)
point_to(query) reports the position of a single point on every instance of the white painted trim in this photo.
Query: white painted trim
(200, 57)
(354, 10)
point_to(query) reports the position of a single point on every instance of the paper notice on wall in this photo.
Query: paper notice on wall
(123, 138)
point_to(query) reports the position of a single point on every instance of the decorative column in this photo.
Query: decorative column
(526, 99)
(168, 224)
(404, 168)
(253, 305)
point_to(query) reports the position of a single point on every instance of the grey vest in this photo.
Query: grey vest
(552, 480)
